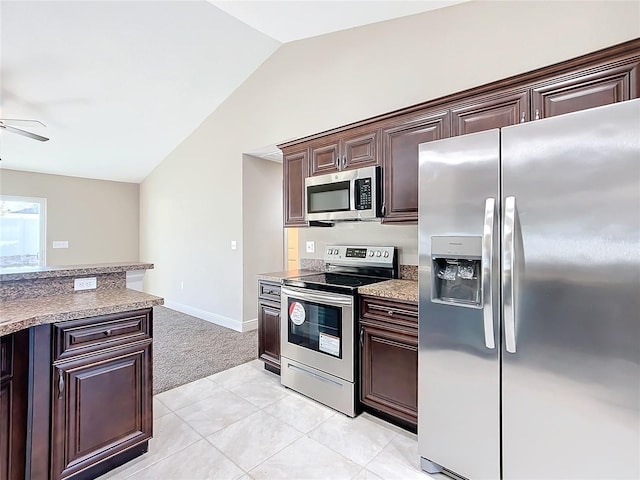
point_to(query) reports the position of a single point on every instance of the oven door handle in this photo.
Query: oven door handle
(326, 298)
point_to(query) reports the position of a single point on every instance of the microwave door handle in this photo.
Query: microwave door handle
(352, 194)
(325, 298)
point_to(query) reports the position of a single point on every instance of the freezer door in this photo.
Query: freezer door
(459, 371)
(571, 288)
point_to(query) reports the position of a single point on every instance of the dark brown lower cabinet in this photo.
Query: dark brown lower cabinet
(13, 405)
(389, 358)
(101, 401)
(269, 325)
(269, 341)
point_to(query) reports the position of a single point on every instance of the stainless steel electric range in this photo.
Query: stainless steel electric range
(319, 320)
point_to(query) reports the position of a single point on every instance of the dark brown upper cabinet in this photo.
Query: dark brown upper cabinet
(391, 139)
(490, 112)
(352, 149)
(612, 83)
(295, 164)
(400, 140)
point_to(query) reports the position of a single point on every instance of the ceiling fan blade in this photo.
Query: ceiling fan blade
(19, 131)
(21, 120)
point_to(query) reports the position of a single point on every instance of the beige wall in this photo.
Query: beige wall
(100, 219)
(192, 202)
(262, 235)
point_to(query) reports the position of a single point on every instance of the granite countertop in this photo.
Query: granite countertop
(279, 276)
(29, 273)
(19, 314)
(395, 289)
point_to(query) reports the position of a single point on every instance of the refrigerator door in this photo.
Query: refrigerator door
(458, 359)
(571, 293)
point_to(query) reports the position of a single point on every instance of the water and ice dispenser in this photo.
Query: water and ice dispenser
(456, 271)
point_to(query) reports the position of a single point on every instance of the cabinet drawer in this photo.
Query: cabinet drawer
(396, 312)
(269, 291)
(6, 344)
(78, 337)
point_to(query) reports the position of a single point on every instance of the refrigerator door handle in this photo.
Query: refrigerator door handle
(487, 265)
(508, 268)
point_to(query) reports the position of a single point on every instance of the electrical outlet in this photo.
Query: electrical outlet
(234, 245)
(311, 247)
(85, 283)
(60, 244)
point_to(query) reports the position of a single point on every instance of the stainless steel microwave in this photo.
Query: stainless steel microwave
(349, 195)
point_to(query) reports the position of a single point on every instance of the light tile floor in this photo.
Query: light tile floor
(242, 424)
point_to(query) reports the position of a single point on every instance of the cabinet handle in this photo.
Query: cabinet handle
(344, 162)
(337, 162)
(384, 209)
(522, 117)
(393, 311)
(361, 336)
(537, 114)
(60, 383)
(107, 333)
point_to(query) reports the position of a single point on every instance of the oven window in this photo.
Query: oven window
(331, 197)
(315, 326)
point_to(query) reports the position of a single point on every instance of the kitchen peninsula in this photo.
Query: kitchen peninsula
(76, 370)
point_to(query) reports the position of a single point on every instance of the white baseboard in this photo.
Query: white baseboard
(135, 279)
(250, 325)
(221, 320)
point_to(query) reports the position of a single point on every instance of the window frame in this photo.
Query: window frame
(42, 253)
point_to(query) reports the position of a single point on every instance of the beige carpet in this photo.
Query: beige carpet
(186, 348)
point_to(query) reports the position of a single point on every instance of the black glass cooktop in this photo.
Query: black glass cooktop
(332, 281)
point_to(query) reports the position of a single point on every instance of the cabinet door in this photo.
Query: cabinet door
(587, 90)
(389, 372)
(13, 405)
(400, 162)
(360, 150)
(488, 113)
(5, 429)
(325, 156)
(295, 170)
(269, 333)
(101, 405)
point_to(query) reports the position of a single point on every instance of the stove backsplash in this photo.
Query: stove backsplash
(407, 272)
(405, 237)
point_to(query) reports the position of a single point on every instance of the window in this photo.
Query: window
(22, 231)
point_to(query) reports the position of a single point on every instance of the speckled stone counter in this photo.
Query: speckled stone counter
(29, 273)
(279, 276)
(36, 282)
(18, 314)
(395, 289)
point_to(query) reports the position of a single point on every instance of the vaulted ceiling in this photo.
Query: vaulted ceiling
(119, 84)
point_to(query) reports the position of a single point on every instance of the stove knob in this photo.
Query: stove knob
(378, 253)
(386, 254)
(371, 253)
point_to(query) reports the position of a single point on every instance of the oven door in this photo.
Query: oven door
(318, 330)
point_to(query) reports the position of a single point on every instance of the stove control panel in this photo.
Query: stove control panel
(368, 255)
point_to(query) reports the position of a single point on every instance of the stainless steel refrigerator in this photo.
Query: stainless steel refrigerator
(529, 278)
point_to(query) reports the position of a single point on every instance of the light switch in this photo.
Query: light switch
(234, 245)
(311, 246)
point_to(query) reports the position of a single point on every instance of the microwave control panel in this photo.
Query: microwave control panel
(363, 194)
